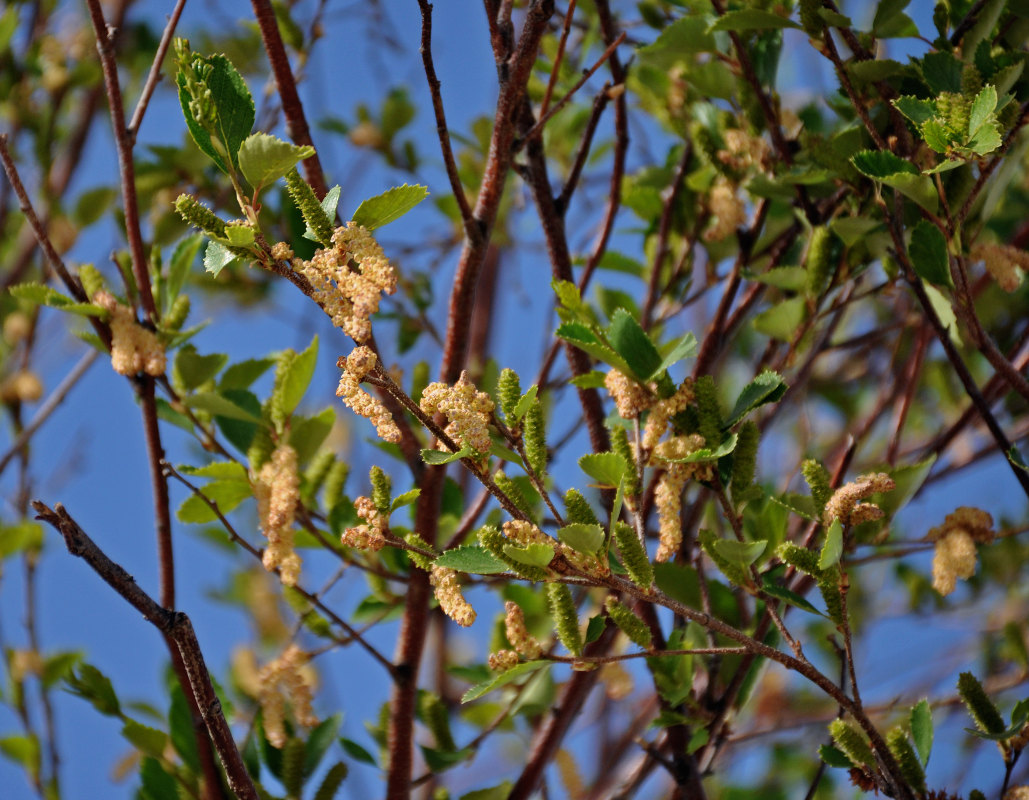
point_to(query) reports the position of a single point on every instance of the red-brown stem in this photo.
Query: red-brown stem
(292, 108)
(154, 77)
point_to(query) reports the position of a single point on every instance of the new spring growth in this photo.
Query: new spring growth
(509, 391)
(980, 706)
(200, 216)
(631, 398)
(668, 497)
(287, 678)
(349, 279)
(495, 542)
(448, 593)
(1006, 264)
(371, 535)
(467, 412)
(195, 72)
(852, 743)
(631, 625)
(310, 209)
(955, 540)
(134, 349)
(566, 620)
(900, 746)
(277, 489)
(534, 437)
(845, 504)
(728, 211)
(355, 367)
(634, 557)
(518, 635)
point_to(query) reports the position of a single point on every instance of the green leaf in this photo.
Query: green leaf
(182, 260)
(582, 337)
(594, 379)
(792, 279)
(217, 257)
(225, 494)
(472, 560)
(633, 344)
(149, 741)
(442, 457)
(928, 252)
(48, 296)
(215, 403)
(773, 589)
(58, 666)
(851, 230)
(584, 538)
(526, 400)
(22, 750)
(329, 203)
(239, 235)
(25, 536)
(319, 741)
(234, 111)
(686, 36)
(306, 434)
(223, 470)
(440, 760)
(833, 547)
(192, 369)
(782, 320)
(264, 158)
(293, 378)
(919, 188)
(389, 206)
(91, 684)
(878, 69)
(536, 554)
(356, 752)
(983, 106)
(986, 139)
(880, 164)
(942, 71)
(922, 729)
(156, 783)
(404, 499)
(682, 348)
(606, 469)
(504, 678)
(834, 757)
(750, 19)
(243, 373)
(916, 110)
(742, 553)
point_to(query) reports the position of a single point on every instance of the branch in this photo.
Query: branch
(154, 77)
(173, 624)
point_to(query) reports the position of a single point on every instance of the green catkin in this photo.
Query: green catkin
(509, 391)
(510, 488)
(971, 80)
(705, 142)
(333, 780)
(709, 416)
(278, 411)
(620, 446)
(421, 561)
(92, 280)
(260, 449)
(980, 706)
(810, 19)
(818, 479)
(744, 458)
(631, 625)
(566, 619)
(311, 210)
(177, 313)
(437, 720)
(382, 488)
(634, 557)
(493, 541)
(734, 572)
(819, 260)
(577, 509)
(910, 767)
(200, 216)
(852, 743)
(332, 489)
(799, 558)
(829, 586)
(534, 436)
(293, 766)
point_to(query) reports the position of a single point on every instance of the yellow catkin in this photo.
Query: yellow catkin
(727, 210)
(631, 398)
(369, 536)
(954, 556)
(844, 505)
(668, 496)
(134, 349)
(517, 634)
(502, 660)
(277, 489)
(662, 413)
(287, 678)
(1006, 264)
(448, 593)
(466, 409)
(355, 367)
(349, 279)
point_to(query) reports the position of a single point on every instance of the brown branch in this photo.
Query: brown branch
(292, 108)
(175, 625)
(154, 77)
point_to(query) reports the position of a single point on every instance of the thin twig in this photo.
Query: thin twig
(154, 77)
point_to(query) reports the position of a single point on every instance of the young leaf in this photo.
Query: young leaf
(631, 342)
(443, 457)
(472, 560)
(833, 547)
(292, 380)
(583, 538)
(742, 553)
(328, 204)
(532, 555)
(219, 404)
(749, 19)
(389, 206)
(192, 369)
(234, 111)
(264, 158)
(217, 257)
(768, 387)
(504, 678)
(606, 469)
(928, 252)
(583, 338)
(922, 729)
(179, 268)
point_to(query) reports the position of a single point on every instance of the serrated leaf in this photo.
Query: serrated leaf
(768, 387)
(307, 434)
(852, 229)
(473, 560)
(217, 257)
(986, 139)
(834, 757)
(522, 406)
(319, 741)
(536, 554)
(915, 109)
(41, 294)
(687, 35)
(91, 684)
(685, 347)
(751, 19)
(182, 260)
(239, 235)
(878, 69)
(983, 106)
(607, 469)
(633, 344)
(222, 470)
(264, 158)
(503, 679)
(919, 188)
(834, 19)
(293, 378)
(356, 751)
(243, 373)
(742, 553)
(937, 135)
(567, 294)
(880, 164)
(942, 71)
(772, 589)
(329, 203)
(707, 454)
(234, 107)
(782, 320)
(922, 729)
(583, 338)
(832, 550)
(442, 457)
(928, 252)
(192, 369)
(215, 403)
(389, 206)
(148, 741)
(404, 499)
(225, 494)
(582, 537)
(594, 379)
